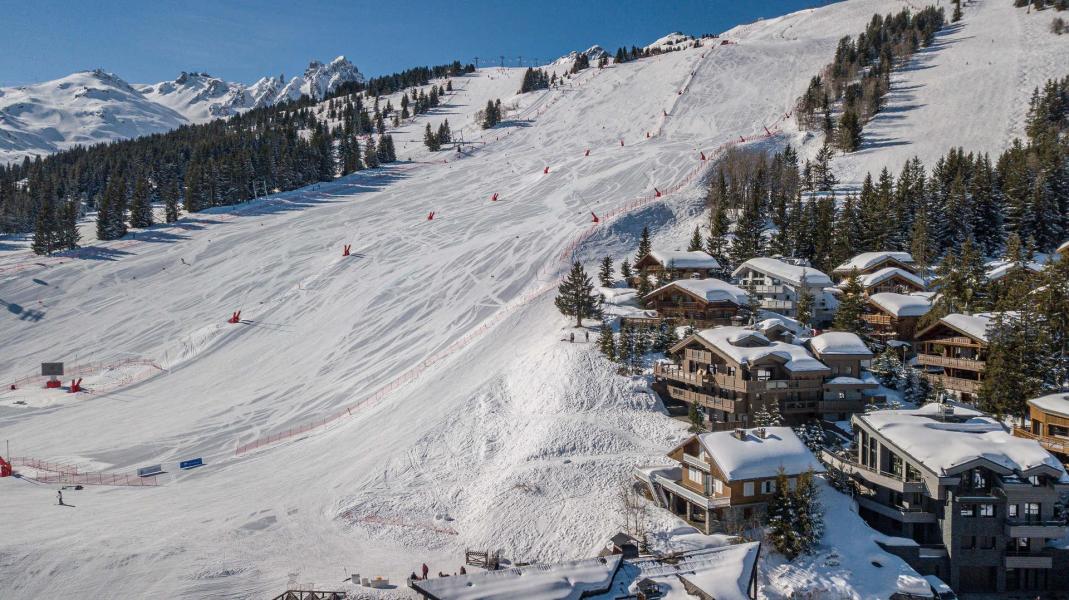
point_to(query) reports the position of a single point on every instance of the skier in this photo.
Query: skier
(60, 494)
(425, 570)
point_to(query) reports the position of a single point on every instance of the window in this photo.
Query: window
(718, 486)
(694, 475)
(967, 510)
(1031, 511)
(731, 371)
(1011, 511)
(842, 395)
(987, 542)
(847, 370)
(747, 488)
(987, 510)
(768, 486)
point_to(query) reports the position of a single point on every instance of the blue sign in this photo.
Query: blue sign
(149, 471)
(191, 464)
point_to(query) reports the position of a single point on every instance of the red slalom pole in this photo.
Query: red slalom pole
(430, 216)
(494, 197)
(545, 171)
(595, 219)
(703, 154)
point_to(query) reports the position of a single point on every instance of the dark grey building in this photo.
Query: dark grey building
(979, 505)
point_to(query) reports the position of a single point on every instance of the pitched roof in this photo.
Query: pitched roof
(901, 305)
(867, 260)
(754, 457)
(1063, 248)
(712, 290)
(786, 272)
(676, 259)
(997, 269)
(945, 448)
(839, 342)
(1053, 403)
(725, 339)
(558, 581)
(872, 279)
(975, 326)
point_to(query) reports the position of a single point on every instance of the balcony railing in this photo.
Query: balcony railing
(724, 404)
(1052, 444)
(966, 364)
(877, 319)
(955, 383)
(890, 481)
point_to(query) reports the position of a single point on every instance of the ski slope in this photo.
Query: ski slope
(509, 438)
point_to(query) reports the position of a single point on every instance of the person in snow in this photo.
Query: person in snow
(587, 335)
(463, 571)
(425, 570)
(59, 493)
(571, 337)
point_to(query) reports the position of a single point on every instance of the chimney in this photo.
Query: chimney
(740, 433)
(762, 433)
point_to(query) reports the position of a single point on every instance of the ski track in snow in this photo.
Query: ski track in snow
(516, 441)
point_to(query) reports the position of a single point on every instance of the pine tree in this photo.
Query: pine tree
(371, 153)
(748, 229)
(665, 336)
(957, 12)
(782, 515)
(170, 193)
(576, 297)
(695, 240)
(717, 243)
(851, 306)
(606, 273)
(809, 521)
(697, 420)
(430, 139)
(626, 273)
(849, 138)
(823, 178)
(44, 229)
(141, 205)
(644, 288)
(69, 236)
(804, 307)
(606, 341)
(644, 245)
(887, 368)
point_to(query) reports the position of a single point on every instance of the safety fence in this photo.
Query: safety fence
(70, 475)
(92, 368)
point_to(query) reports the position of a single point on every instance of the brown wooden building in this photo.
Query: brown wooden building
(1048, 424)
(894, 316)
(732, 372)
(700, 302)
(845, 391)
(893, 280)
(953, 352)
(723, 480)
(664, 266)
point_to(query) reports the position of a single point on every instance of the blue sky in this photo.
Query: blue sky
(240, 40)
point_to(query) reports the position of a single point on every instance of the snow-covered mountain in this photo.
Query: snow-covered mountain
(593, 53)
(82, 108)
(95, 106)
(669, 41)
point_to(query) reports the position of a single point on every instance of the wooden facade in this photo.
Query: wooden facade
(843, 393)
(651, 267)
(1049, 426)
(896, 284)
(952, 358)
(730, 393)
(685, 307)
(886, 326)
(885, 262)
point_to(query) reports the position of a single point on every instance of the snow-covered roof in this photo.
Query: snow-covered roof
(839, 342)
(1053, 403)
(935, 409)
(713, 290)
(867, 260)
(558, 581)
(973, 325)
(754, 457)
(901, 305)
(845, 380)
(997, 269)
(872, 279)
(1063, 248)
(725, 339)
(677, 259)
(769, 319)
(946, 447)
(785, 272)
(724, 573)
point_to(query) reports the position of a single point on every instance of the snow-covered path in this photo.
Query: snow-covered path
(520, 440)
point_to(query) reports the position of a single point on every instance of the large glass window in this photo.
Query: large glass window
(967, 510)
(987, 510)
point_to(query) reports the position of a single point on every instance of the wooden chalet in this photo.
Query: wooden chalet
(894, 316)
(699, 302)
(732, 372)
(953, 352)
(722, 481)
(845, 391)
(1048, 424)
(871, 262)
(890, 280)
(663, 266)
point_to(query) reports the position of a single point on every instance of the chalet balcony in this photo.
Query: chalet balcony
(957, 384)
(1028, 560)
(678, 489)
(966, 364)
(1051, 444)
(676, 373)
(878, 319)
(840, 406)
(1035, 528)
(900, 514)
(891, 481)
(691, 397)
(771, 289)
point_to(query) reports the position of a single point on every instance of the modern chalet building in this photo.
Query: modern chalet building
(845, 390)
(664, 266)
(871, 262)
(952, 352)
(700, 302)
(894, 316)
(776, 284)
(723, 480)
(979, 503)
(1048, 424)
(732, 372)
(890, 279)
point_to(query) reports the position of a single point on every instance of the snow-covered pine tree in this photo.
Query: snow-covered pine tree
(626, 273)
(68, 235)
(782, 515)
(44, 229)
(665, 335)
(643, 289)
(430, 139)
(695, 240)
(141, 204)
(576, 297)
(170, 193)
(605, 275)
(887, 368)
(371, 153)
(851, 305)
(804, 308)
(697, 420)
(810, 514)
(717, 243)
